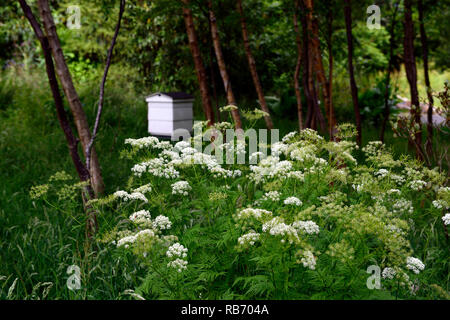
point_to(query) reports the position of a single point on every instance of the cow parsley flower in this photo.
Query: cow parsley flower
(272, 196)
(293, 200)
(308, 260)
(381, 173)
(403, 205)
(126, 241)
(177, 250)
(287, 138)
(181, 187)
(440, 204)
(276, 227)
(142, 142)
(248, 239)
(446, 219)
(144, 189)
(414, 264)
(417, 185)
(308, 227)
(162, 223)
(388, 273)
(140, 216)
(125, 196)
(178, 264)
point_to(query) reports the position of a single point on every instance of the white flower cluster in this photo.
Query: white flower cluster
(381, 173)
(270, 167)
(248, 239)
(414, 264)
(305, 154)
(273, 196)
(394, 191)
(400, 180)
(126, 241)
(141, 216)
(258, 214)
(276, 227)
(125, 196)
(278, 148)
(446, 219)
(255, 156)
(388, 273)
(308, 260)
(177, 250)
(144, 189)
(441, 204)
(403, 205)
(308, 227)
(417, 185)
(162, 223)
(289, 136)
(157, 167)
(181, 187)
(178, 264)
(293, 200)
(142, 142)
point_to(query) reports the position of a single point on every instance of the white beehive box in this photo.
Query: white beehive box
(169, 111)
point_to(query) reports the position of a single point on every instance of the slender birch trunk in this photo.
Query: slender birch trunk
(411, 74)
(252, 66)
(298, 41)
(222, 66)
(424, 41)
(65, 78)
(387, 110)
(354, 88)
(199, 67)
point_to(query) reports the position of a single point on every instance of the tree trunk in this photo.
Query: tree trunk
(332, 116)
(354, 88)
(72, 142)
(388, 76)
(318, 65)
(252, 66)
(298, 95)
(199, 67)
(314, 114)
(424, 41)
(65, 78)
(411, 74)
(222, 67)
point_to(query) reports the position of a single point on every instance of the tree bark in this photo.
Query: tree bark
(332, 116)
(252, 66)
(387, 109)
(65, 78)
(424, 41)
(199, 67)
(318, 65)
(354, 88)
(298, 41)
(314, 114)
(222, 66)
(411, 74)
(72, 142)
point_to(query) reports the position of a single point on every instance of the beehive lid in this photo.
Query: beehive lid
(171, 95)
